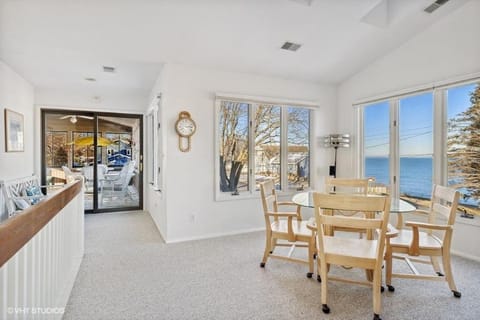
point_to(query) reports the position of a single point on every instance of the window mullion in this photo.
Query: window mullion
(394, 149)
(284, 148)
(251, 148)
(439, 137)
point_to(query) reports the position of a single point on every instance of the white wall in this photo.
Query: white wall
(447, 50)
(108, 101)
(191, 211)
(18, 95)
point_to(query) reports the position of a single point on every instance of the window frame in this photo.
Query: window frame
(440, 130)
(254, 102)
(154, 134)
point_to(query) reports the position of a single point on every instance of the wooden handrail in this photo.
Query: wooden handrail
(18, 230)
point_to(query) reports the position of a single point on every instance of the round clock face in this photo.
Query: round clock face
(185, 127)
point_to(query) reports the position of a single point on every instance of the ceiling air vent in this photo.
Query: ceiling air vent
(290, 46)
(434, 6)
(108, 69)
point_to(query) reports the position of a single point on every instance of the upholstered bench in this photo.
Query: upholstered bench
(19, 194)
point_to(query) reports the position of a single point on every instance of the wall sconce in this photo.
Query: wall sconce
(336, 141)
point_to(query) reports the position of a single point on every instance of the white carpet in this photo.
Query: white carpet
(129, 273)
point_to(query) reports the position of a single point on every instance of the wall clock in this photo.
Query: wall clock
(185, 127)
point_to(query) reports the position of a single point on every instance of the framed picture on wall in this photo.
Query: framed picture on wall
(14, 131)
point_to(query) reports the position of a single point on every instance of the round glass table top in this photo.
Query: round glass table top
(305, 199)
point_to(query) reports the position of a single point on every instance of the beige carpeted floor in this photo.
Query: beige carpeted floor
(129, 273)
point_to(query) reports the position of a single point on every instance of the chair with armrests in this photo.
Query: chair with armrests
(70, 176)
(347, 186)
(355, 252)
(116, 184)
(433, 241)
(88, 175)
(286, 226)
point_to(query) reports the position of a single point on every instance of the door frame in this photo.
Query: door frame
(95, 115)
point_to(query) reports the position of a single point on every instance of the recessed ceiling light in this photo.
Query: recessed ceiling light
(108, 69)
(290, 46)
(91, 79)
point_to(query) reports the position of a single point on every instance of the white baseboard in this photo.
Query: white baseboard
(215, 235)
(465, 255)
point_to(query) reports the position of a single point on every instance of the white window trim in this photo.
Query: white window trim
(155, 150)
(254, 101)
(440, 129)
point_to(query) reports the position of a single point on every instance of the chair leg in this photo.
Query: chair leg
(436, 265)
(268, 243)
(324, 295)
(377, 302)
(388, 270)
(273, 245)
(311, 253)
(449, 274)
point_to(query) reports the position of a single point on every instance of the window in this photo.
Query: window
(410, 142)
(155, 158)
(463, 141)
(415, 143)
(376, 135)
(257, 141)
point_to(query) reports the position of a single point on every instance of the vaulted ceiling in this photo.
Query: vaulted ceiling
(59, 43)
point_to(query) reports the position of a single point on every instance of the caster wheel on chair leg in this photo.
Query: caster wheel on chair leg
(382, 288)
(325, 308)
(319, 279)
(440, 274)
(314, 256)
(390, 288)
(376, 317)
(262, 264)
(309, 274)
(456, 294)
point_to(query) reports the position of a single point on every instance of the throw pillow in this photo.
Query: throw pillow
(21, 204)
(35, 194)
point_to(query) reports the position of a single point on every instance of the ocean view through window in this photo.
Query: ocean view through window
(415, 179)
(399, 135)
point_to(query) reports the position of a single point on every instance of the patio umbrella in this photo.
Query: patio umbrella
(88, 141)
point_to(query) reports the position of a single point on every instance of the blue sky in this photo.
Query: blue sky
(415, 120)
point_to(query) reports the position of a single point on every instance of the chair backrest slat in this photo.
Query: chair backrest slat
(346, 185)
(444, 202)
(351, 222)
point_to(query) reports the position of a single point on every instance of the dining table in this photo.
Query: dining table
(397, 205)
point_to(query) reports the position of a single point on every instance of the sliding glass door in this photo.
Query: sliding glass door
(102, 149)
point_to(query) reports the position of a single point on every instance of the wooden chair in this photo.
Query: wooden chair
(434, 242)
(358, 253)
(347, 186)
(287, 226)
